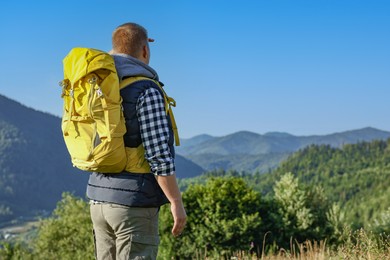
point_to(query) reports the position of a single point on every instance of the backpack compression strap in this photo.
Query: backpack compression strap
(169, 102)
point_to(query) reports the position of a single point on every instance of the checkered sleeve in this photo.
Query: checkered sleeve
(154, 129)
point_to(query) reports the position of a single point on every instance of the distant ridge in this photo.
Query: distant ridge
(278, 134)
(230, 151)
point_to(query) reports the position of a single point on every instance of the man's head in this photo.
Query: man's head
(132, 39)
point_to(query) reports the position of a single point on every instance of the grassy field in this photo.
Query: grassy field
(358, 245)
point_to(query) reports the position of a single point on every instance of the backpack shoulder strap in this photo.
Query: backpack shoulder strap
(169, 102)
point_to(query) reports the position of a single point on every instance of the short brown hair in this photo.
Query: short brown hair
(129, 38)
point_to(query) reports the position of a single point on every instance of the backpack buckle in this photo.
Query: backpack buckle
(92, 80)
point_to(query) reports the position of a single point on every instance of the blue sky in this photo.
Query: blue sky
(302, 67)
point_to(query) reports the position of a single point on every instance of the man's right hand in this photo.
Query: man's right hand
(179, 218)
(169, 186)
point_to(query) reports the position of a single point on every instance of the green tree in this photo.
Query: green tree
(223, 217)
(382, 224)
(336, 219)
(67, 234)
(295, 215)
(301, 212)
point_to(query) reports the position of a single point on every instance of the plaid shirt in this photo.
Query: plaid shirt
(154, 129)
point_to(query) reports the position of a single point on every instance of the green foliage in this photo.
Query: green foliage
(239, 162)
(300, 212)
(295, 212)
(16, 251)
(68, 233)
(381, 225)
(336, 219)
(334, 192)
(356, 176)
(223, 215)
(293, 208)
(184, 184)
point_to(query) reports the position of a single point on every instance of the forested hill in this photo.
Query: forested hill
(357, 176)
(34, 164)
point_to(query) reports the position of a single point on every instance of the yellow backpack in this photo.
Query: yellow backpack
(93, 123)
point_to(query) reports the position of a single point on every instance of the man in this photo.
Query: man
(124, 206)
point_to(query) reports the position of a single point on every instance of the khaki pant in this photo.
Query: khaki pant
(122, 232)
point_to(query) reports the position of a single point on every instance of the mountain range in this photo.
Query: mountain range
(247, 151)
(35, 167)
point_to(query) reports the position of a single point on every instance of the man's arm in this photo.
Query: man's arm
(154, 129)
(169, 186)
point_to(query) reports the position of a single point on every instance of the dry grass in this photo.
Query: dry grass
(302, 251)
(359, 245)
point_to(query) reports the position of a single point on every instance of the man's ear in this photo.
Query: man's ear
(145, 52)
